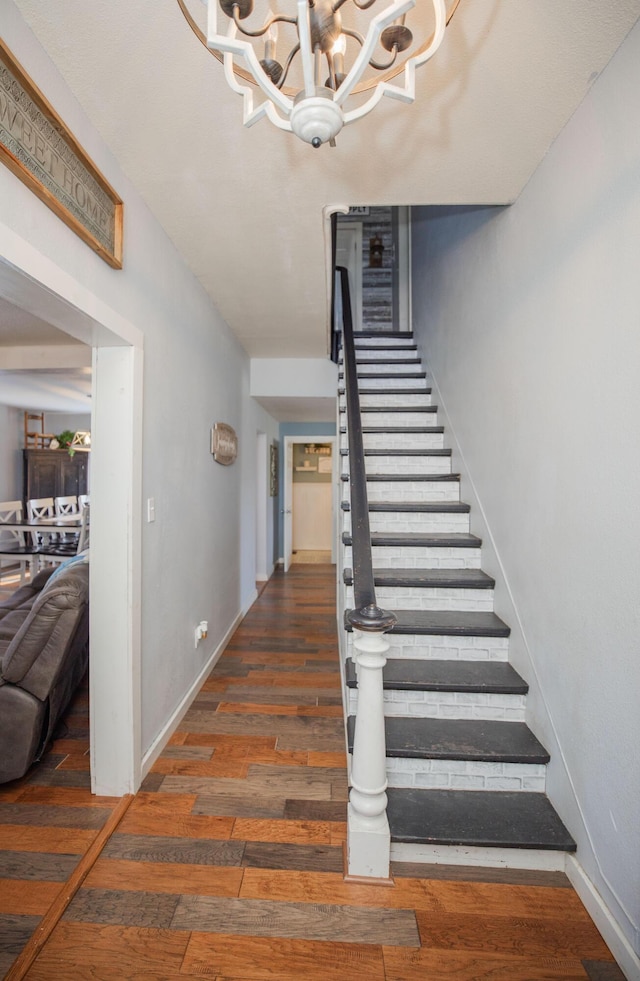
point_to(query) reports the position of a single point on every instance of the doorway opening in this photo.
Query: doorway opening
(37, 286)
(310, 499)
(374, 245)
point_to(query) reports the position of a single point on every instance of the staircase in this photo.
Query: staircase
(466, 775)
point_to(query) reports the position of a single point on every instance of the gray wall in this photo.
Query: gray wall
(57, 422)
(198, 557)
(11, 440)
(529, 318)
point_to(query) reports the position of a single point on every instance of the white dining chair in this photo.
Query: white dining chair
(39, 507)
(66, 505)
(11, 514)
(82, 500)
(83, 538)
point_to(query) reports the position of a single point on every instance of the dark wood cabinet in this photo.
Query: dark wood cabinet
(53, 473)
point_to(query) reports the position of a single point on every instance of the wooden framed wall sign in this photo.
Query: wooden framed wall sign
(39, 149)
(224, 444)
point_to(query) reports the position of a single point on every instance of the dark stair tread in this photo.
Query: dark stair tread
(390, 452)
(428, 578)
(416, 430)
(369, 334)
(450, 623)
(369, 375)
(481, 818)
(416, 507)
(385, 347)
(395, 408)
(476, 740)
(425, 674)
(360, 361)
(405, 477)
(391, 391)
(424, 539)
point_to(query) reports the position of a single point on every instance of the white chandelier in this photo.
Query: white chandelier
(333, 73)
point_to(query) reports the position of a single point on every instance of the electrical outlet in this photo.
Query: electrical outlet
(201, 632)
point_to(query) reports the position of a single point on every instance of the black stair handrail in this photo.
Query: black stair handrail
(367, 615)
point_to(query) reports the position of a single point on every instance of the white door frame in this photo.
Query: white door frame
(351, 234)
(288, 490)
(262, 497)
(404, 268)
(287, 501)
(36, 284)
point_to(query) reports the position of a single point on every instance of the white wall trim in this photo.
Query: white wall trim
(327, 211)
(627, 959)
(58, 298)
(115, 588)
(163, 737)
(36, 284)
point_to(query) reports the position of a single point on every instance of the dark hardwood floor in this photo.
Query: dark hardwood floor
(228, 862)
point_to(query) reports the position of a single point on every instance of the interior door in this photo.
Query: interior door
(287, 509)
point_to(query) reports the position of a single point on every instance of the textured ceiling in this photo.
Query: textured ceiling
(245, 207)
(63, 390)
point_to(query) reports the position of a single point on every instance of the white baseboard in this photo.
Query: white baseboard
(626, 957)
(175, 718)
(266, 576)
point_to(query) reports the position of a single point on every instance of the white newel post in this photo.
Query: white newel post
(368, 837)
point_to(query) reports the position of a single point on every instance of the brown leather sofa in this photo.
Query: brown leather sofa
(44, 653)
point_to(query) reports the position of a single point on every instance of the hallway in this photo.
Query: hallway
(228, 863)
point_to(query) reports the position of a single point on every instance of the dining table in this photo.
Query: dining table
(55, 536)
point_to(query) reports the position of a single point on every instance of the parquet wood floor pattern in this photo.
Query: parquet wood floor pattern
(228, 863)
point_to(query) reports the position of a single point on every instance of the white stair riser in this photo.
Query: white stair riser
(386, 368)
(391, 400)
(407, 464)
(427, 491)
(418, 557)
(405, 598)
(442, 648)
(449, 705)
(400, 340)
(401, 353)
(466, 775)
(394, 419)
(398, 441)
(492, 858)
(418, 522)
(382, 383)
(414, 521)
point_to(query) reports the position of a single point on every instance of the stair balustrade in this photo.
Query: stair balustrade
(368, 835)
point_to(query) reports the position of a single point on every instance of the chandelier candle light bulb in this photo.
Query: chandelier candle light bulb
(367, 46)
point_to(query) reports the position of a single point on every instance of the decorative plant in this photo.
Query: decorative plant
(65, 439)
